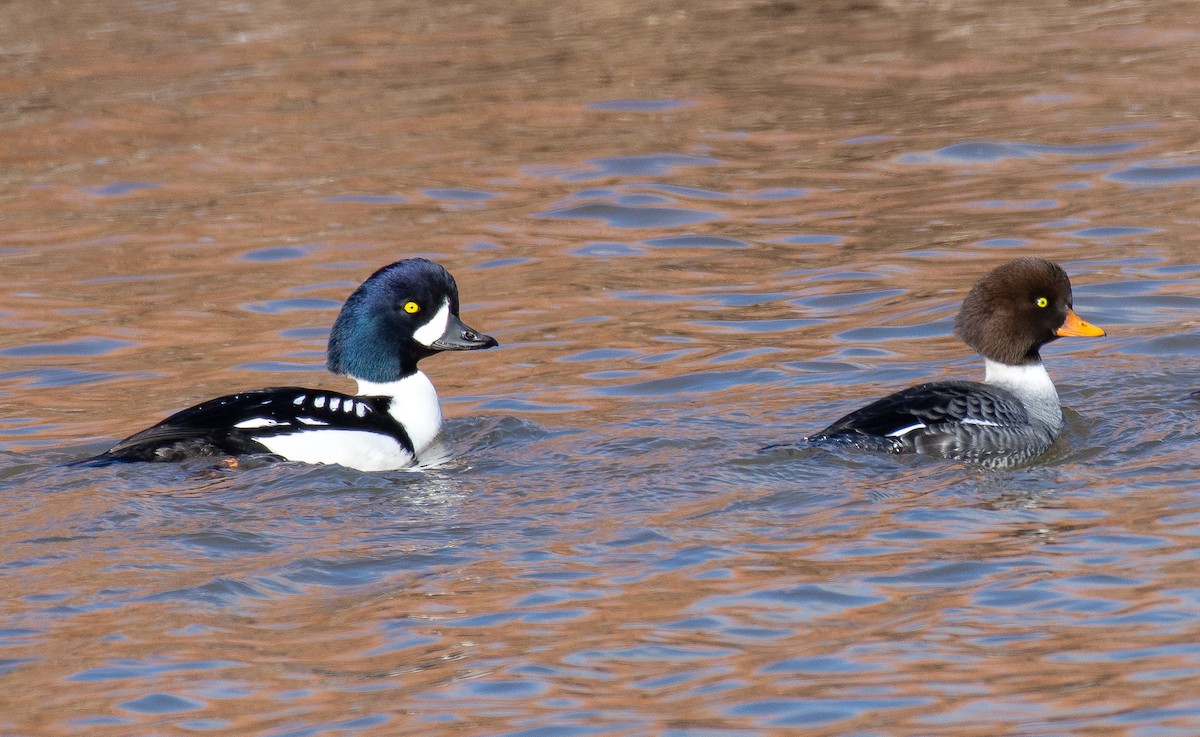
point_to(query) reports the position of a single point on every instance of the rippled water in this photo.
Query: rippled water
(697, 230)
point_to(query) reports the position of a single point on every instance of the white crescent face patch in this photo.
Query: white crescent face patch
(435, 327)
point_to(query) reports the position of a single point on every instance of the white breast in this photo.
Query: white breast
(414, 405)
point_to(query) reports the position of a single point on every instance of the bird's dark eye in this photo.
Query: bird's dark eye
(1040, 302)
(412, 308)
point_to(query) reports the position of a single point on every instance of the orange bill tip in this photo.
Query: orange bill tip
(1076, 327)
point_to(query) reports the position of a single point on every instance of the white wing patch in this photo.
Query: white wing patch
(435, 328)
(311, 421)
(977, 421)
(254, 422)
(906, 430)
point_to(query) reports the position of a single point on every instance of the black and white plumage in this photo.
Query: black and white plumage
(1012, 416)
(266, 419)
(404, 312)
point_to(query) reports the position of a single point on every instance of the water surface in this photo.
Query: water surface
(696, 230)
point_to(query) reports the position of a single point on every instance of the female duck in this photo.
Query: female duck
(1014, 414)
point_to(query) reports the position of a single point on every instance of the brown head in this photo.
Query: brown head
(1016, 309)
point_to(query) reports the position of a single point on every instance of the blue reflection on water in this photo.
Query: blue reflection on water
(1157, 174)
(79, 347)
(117, 189)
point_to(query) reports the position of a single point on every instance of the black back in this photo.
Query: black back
(965, 420)
(210, 428)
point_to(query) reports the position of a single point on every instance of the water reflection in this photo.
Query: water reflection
(699, 231)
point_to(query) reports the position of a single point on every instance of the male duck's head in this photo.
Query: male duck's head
(404, 312)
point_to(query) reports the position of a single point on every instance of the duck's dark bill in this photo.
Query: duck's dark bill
(1077, 327)
(459, 337)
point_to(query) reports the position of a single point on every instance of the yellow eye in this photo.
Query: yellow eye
(1041, 302)
(412, 307)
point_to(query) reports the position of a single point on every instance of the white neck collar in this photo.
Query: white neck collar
(1032, 385)
(414, 405)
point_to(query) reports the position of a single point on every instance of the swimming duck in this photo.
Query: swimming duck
(403, 313)
(1013, 415)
